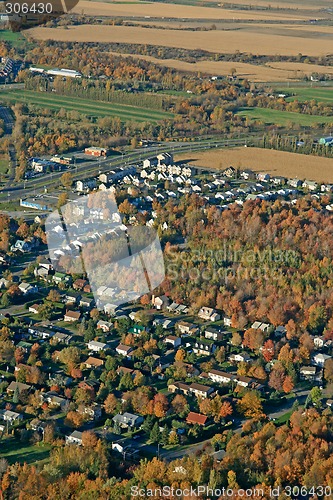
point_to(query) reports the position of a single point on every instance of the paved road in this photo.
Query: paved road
(86, 169)
(7, 116)
(300, 395)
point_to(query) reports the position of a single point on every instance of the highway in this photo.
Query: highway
(87, 169)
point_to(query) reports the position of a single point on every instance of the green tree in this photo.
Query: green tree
(155, 433)
(16, 395)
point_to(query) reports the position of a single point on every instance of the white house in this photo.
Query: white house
(124, 350)
(27, 288)
(208, 314)
(319, 341)
(160, 302)
(173, 340)
(240, 357)
(95, 346)
(320, 359)
(221, 377)
(74, 438)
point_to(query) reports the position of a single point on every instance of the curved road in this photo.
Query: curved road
(86, 169)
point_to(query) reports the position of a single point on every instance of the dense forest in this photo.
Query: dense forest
(261, 261)
(262, 456)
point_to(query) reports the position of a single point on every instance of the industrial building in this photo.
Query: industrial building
(94, 151)
(66, 73)
(36, 204)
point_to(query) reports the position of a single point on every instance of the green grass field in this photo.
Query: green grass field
(14, 451)
(17, 39)
(3, 166)
(309, 93)
(85, 106)
(276, 117)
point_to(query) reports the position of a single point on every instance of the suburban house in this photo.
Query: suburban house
(79, 284)
(27, 288)
(126, 420)
(204, 346)
(200, 390)
(19, 386)
(187, 328)
(239, 357)
(310, 373)
(72, 298)
(319, 341)
(320, 359)
(179, 387)
(40, 332)
(53, 399)
(104, 325)
(86, 303)
(310, 185)
(71, 316)
(173, 340)
(86, 185)
(137, 329)
(94, 411)
(10, 416)
(196, 418)
(227, 321)
(243, 381)
(209, 314)
(258, 325)
(63, 338)
(95, 346)
(212, 333)
(74, 438)
(124, 350)
(92, 362)
(160, 302)
(221, 377)
(34, 308)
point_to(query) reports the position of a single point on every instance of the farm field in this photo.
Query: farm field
(179, 11)
(214, 41)
(253, 72)
(309, 93)
(273, 162)
(277, 117)
(85, 106)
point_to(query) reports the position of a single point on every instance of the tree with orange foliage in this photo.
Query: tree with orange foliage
(76, 373)
(111, 404)
(250, 405)
(268, 350)
(226, 410)
(253, 339)
(161, 405)
(180, 405)
(180, 355)
(145, 301)
(74, 419)
(89, 439)
(288, 384)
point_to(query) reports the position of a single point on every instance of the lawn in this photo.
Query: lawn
(14, 38)
(284, 418)
(308, 94)
(3, 166)
(277, 117)
(14, 451)
(85, 106)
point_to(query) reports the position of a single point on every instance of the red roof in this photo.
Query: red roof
(196, 418)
